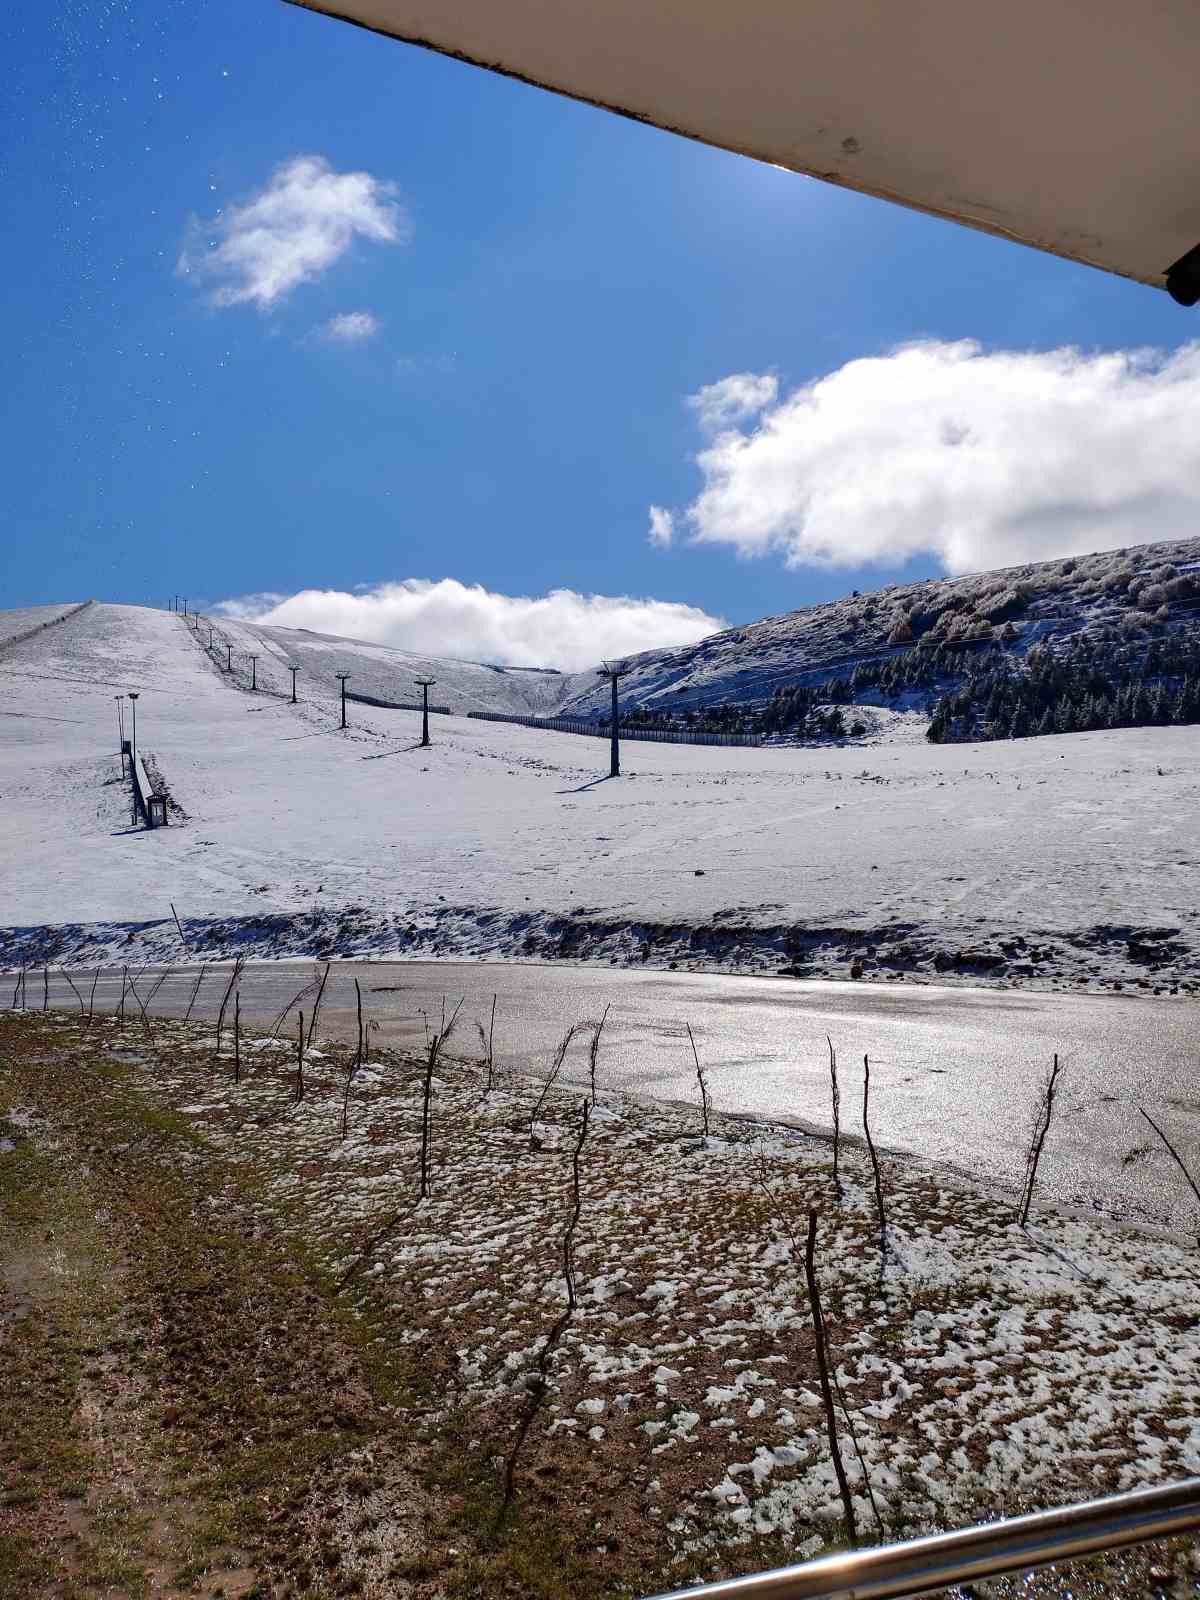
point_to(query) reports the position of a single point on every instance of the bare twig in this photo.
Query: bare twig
(74, 990)
(699, 1078)
(1041, 1127)
(237, 1037)
(594, 1050)
(316, 1010)
(435, 1050)
(874, 1165)
(560, 1055)
(124, 984)
(283, 1015)
(1178, 1159)
(300, 1056)
(355, 1064)
(200, 977)
(92, 997)
(781, 1217)
(491, 1057)
(178, 924)
(836, 1096)
(234, 976)
(536, 1381)
(814, 1296)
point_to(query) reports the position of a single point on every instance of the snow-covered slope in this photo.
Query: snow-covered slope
(377, 670)
(1118, 594)
(1072, 856)
(15, 625)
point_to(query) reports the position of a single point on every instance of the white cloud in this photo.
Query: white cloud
(662, 527)
(978, 458)
(291, 232)
(733, 399)
(350, 327)
(447, 618)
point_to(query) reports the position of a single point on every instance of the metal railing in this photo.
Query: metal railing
(941, 1560)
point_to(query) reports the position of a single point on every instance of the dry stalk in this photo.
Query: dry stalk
(237, 1038)
(560, 1055)
(814, 1295)
(283, 1015)
(536, 1381)
(491, 1056)
(594, 1050)
(781, 1217)
(1041, 1127)
(355, 1064)
(300, 1057)
(74, 990)
(234, 976)
(435, 1049)
(312, 1024)
(200, 977)
(92, 997)
(874, 1166)
(699, 1078)
(836, 1096)
(1178, 1159)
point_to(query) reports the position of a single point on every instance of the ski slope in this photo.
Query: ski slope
(1059, 859)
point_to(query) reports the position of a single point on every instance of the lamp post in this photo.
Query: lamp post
(426, 684)
(342, 676)
(614, 670)
(120, 699)
(254, 672)
(133, 700)
(210, 636)
(228, 656)
(293, 671)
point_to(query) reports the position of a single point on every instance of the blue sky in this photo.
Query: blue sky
(561, 282)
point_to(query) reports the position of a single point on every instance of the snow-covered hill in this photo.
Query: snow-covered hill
(1122, 595)
(376, 670)
(1128, 596)
(1068, 858)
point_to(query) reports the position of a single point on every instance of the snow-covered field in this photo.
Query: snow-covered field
(1060, 858)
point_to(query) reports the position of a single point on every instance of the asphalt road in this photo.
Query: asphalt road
(954, 1071)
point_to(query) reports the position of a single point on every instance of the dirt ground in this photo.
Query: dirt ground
(197, 1405)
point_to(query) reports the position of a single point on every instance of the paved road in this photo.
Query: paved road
(953, 1070)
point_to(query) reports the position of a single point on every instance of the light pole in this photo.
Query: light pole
(293, 671)
(120, 699)
(210, 636)
(133, 700)
(343, 676)
(228, 656)
(254, 672)
(614, 670)
(426, 684)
